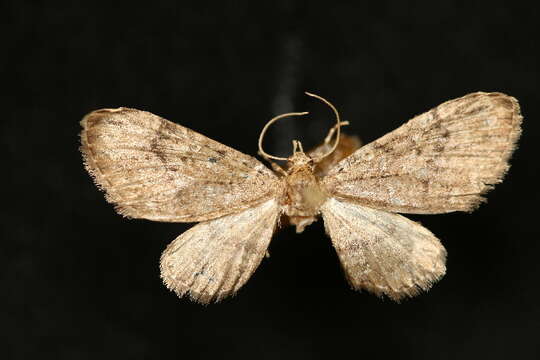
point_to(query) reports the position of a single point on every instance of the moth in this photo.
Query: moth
(441, 161)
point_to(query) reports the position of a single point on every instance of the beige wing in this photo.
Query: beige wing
(215, 258)
(381, 252)
(438, 162)
(154, 169)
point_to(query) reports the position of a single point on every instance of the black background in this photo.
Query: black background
(80, 282)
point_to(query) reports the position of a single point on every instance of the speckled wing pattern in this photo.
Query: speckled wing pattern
(438, 162)
(381, 252)
(213, 259)
(154, 169)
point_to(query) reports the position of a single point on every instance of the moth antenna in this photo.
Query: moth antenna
(273, 120)
(294, 146)
(338, 125)
(299, 144)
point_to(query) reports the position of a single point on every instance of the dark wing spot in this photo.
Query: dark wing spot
(435, 115)
(114, 122)
(475, 110)
(155, 143)
(438, 147)
(505, 103)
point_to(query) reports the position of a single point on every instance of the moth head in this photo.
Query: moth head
(299, 157)
(299, 160)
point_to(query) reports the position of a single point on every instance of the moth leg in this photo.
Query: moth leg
(278, 168)
(331, 132)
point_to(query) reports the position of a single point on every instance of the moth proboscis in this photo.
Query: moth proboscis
(440, 161)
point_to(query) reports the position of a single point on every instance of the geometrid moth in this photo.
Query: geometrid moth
(438, 162)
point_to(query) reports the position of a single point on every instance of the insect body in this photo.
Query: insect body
(304, 194)
(438, 162)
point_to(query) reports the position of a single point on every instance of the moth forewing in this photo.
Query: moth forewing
(155, 169)
(438, 162)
